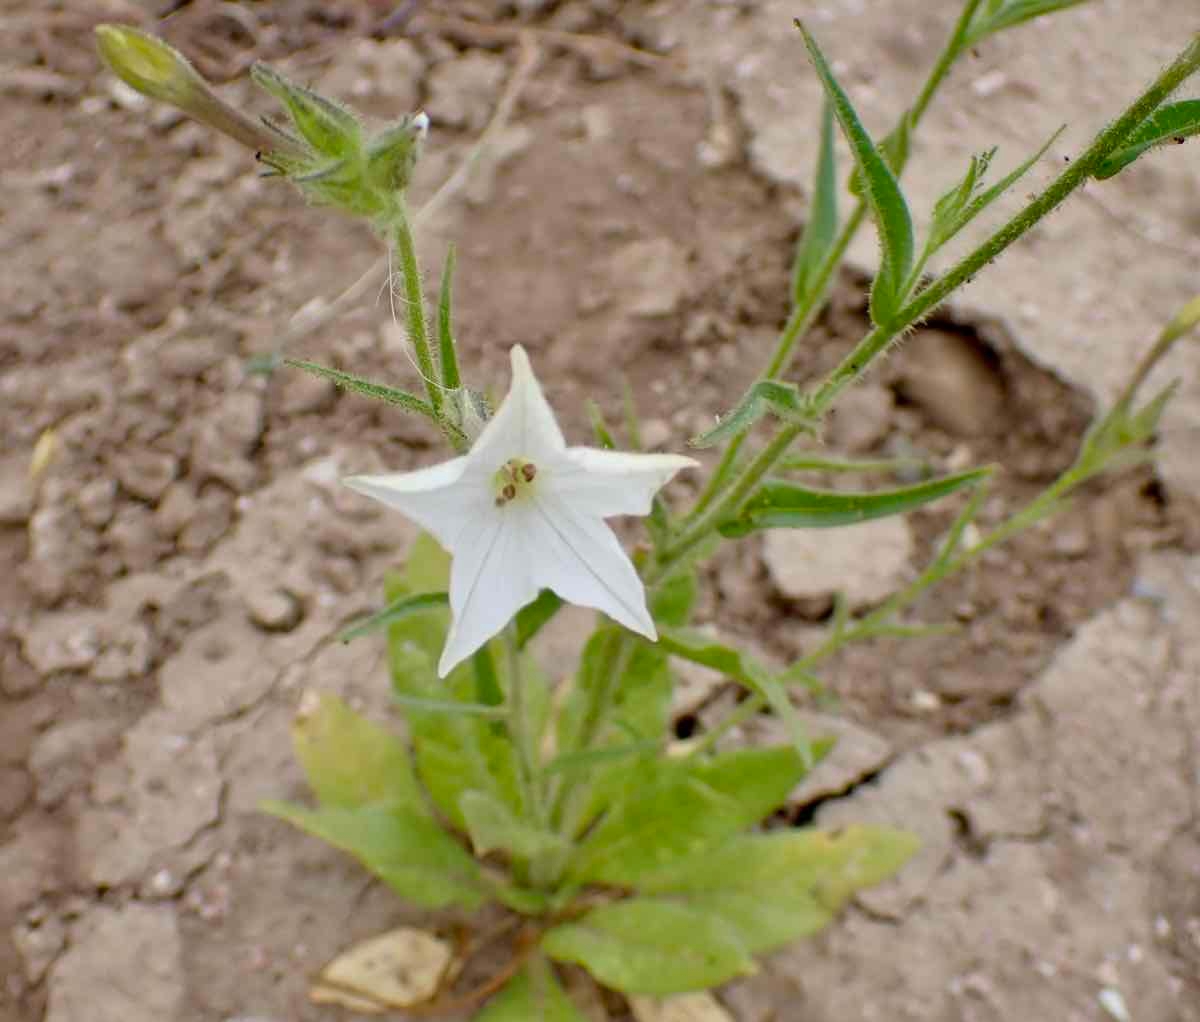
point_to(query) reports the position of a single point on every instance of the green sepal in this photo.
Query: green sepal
(392, 154)
(331, 129)
(785, 505)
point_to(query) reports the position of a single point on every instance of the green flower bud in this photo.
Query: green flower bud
(147, 64)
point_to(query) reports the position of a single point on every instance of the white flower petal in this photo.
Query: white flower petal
(523, 426)
(490, 580)
(578, 557)
(444, 499)
(607, 483)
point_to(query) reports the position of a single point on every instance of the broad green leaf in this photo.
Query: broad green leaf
(672, 600)
(784, 399)
(883, 194)
(533, 995)
(408, 852)
(587, 759)
(776, 888)
(784, 505)
(378, 391)
(822, 223)
(1174, 122)
(995, 17)
(678, 808)
(351, 761)
(533, 617)
(394, 611)
(651, 946)
(493, 826)
(447, 350)
(458, 745)
(703, 649)
(427, 567)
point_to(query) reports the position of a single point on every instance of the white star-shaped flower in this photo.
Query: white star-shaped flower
(522, 511)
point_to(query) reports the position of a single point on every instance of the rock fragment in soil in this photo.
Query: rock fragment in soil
(271, 608)
(649, 278)
(61, 550)
(146, 474)
(861, 418)
(226, 438)
(951, 379)
(168, 790)
(39, 943)
(64, 758)
(15, 790)
(865, 562)
(364, 69)
(463, 91)
(16, 491)
(123, 965)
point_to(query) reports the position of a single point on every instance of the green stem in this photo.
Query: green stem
(728, 504)
(802, 317)
(414, 305)
(878, 340)
(527, 772)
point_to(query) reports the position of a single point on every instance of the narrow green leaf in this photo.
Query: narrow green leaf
(450, 706)
(1174, 122)
(533, 995)
(999, 16)
(671, 601)
(822, 224)
(408, 852)
(586, 759)
(1182, 323)
(493, 826)
(776, 888)
(784, 399)
(533, 617)
(814, 463)
(651, 946)
(394, 611)
(883, 194)
(350, 761)
(378, 391)
(977, 203)
(703, 649)
(328, 127)
(784, 505)
(447, 350)
(600, 428)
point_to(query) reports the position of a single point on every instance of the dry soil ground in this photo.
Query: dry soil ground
(170, 584)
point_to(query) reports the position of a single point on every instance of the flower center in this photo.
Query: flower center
(514, 479)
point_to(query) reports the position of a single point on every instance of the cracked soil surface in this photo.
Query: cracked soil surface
(172, 582)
